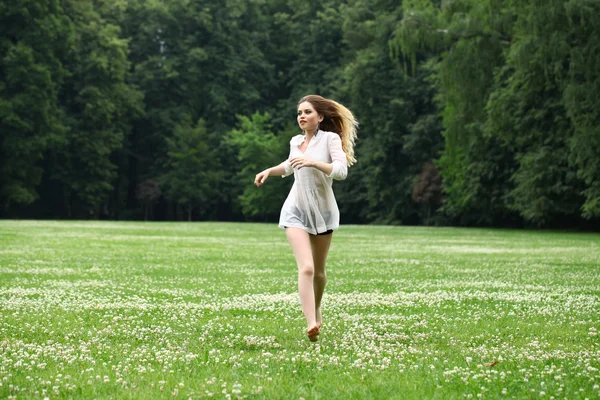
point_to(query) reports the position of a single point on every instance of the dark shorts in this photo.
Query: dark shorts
(329, 232)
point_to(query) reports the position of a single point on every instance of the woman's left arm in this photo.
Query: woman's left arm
(339, 162)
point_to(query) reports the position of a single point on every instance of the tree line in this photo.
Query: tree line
(476, 113)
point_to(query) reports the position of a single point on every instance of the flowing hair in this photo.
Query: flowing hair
(338, 119)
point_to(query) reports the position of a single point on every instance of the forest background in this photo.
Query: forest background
(472, 113)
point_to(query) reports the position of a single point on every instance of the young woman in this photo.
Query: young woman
(310, 213)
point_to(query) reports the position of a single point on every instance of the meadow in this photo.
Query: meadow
(128, 310)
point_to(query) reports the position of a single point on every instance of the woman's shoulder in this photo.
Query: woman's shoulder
(330, 135)
(296, 140)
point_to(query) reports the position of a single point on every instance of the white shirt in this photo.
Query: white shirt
(311, 204)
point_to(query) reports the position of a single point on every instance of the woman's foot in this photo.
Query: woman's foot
(313, 333)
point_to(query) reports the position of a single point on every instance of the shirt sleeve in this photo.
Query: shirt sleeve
(287, 166)
(338, 158)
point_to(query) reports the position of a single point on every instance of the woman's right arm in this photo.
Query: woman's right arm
(261, 177)
(284, 169)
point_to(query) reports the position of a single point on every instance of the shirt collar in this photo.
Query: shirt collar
(316, 134)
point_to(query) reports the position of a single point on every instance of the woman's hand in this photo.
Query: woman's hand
(261, 177)
(299, 162)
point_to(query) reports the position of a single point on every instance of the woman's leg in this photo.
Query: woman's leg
(301, 247)
(320, 249)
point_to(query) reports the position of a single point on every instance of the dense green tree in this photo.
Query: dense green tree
(99, 101)
(400, 129)
(470, 38)
(99, 106)
(192, 174)
(202, 59)
(35, 36)
(305, 48)
(258, 148)
(580, 97)
(527, 110)
(509, 118)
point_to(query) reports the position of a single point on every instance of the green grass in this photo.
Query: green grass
(156, 310)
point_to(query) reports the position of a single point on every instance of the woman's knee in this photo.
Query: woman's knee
(306, 269)
(320, 274)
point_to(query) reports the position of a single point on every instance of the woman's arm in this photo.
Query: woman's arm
(261, 177)
(276, 170)
(339, 163)
(324, 167)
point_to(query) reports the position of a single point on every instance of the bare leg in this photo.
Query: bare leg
(301, 247)
(320, 249)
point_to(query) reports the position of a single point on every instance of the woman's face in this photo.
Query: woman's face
(308, 118)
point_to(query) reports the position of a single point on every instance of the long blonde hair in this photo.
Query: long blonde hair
(338, 119)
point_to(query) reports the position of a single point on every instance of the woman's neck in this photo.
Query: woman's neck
(310, 134)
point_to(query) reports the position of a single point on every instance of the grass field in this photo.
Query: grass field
(193, 310)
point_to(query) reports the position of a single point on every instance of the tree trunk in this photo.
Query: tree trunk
(189, 213)
(132, 174)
